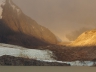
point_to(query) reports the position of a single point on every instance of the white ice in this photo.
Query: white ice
(25, 53)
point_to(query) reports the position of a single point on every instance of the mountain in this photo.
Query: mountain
(20, 29)
(87, 38)
(74, 34)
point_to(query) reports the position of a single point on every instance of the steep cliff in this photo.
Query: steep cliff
(26, 28)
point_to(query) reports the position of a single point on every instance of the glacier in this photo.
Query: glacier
(17, 51)
(41, 55)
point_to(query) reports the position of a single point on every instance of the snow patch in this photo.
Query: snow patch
(14, 7)
(25, 53)
(81, 63)
(75, 63)
(42, 29)
(1, 10)
(12, 46)
(9, 51)
(38, 54)
(2, 3)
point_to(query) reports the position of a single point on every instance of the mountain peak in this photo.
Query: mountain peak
(87, 38)
(14, 7)
(10, 4)
(13, 17)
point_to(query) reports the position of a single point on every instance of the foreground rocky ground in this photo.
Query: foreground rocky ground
(18, 61)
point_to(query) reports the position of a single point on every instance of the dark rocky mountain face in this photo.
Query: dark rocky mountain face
(9, 36)
(17, 28)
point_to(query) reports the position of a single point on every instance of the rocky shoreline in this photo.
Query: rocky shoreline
(18, 61)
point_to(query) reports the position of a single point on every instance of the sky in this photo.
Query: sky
(61, 16)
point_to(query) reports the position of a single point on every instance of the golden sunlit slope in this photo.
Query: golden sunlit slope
(87, 38)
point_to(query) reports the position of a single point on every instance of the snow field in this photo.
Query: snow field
(41, 55)
(26, 53)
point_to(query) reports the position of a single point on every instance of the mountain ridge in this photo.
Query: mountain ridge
(17, 21)
(86, 39)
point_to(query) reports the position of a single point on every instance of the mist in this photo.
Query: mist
(76, 33)
(62, 17)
